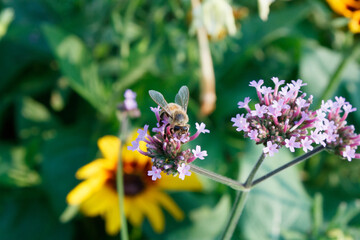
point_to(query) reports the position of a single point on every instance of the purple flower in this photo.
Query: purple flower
(155, 173)
(259, 110)
(253, 134)
(291, 144)
(198, 153)
(135, 145)
(130, 102)
(156, 111)
(270, 149)
(256, 85)
(183, 170)
(201, 128)
(142, 133)
(349, 153)
(306, 144)
(244, 104)
(240, 122)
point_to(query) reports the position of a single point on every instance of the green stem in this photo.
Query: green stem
(218, 178)
(289, 164)
(120, 179)
(336, 77)
(240, 201)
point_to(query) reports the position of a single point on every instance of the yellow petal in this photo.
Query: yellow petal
(135, 215)
(151, 210)
(85, 189)
(190, 183)
(90, 169)
(169, 204)
(112, 220)
(340, 7)
(109, 147)
(99, 202)
(354, 24)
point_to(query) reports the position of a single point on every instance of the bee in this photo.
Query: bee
(176, 112)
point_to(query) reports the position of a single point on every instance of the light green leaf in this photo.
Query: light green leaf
(278, 204)
(78, 66)
(207, 222)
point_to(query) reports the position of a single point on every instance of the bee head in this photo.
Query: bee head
(181, 129)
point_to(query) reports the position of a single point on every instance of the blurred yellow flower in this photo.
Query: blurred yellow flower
(97, 194)
(354, 24)
(349, 9)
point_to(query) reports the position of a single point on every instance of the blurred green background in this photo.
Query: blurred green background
(65, 65)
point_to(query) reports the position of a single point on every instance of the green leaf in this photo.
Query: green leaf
(63, 156)
(78, 66)
(14, 171)
(318, 64)
(207, 221)
(278, 204)
(27, 215)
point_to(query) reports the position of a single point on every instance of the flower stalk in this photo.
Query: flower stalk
(219, 178)
(289, 164)
(240, 201)
(336, 77)
(124, 121)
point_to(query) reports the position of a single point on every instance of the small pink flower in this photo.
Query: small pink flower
(135, 145)
(306, 144)
(256, 85)
(244, 104)
(183, 171)
(201, 128)
(270, 149)
(240, 122)
(253, 134)
(291, 144)
(155, 173)
(142, 132)
(259, 110)
(349, 153)
(198, 153)
(157, 112)
(130, 102)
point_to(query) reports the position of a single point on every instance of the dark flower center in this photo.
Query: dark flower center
(134, 184)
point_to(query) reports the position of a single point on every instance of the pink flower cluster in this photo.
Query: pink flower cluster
(283, 118)
(165, 147)
(338, 135)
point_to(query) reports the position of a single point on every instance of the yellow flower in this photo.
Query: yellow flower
(349, 9)
(354, 24)
(97, 194)
(344, 7)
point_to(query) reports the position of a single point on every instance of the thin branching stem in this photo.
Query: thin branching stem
(289, 164)
(218, 178)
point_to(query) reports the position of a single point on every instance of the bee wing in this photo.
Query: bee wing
(182, 97)
(159, 99)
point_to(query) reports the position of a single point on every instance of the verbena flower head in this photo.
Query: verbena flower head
(165, 147)
(97, 193)
(283, 118)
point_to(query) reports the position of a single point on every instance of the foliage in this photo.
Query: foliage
(66, 64)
